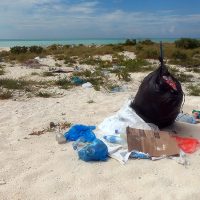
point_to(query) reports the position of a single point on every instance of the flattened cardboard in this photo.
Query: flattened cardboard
(155, 143)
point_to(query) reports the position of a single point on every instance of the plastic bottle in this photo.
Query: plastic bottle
(79, 144)
(60, 138)
(186, 118)
(114, 139)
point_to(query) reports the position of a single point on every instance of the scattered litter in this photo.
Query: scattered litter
(196, 114)
(125, 117)
(159, 97)
(117, 89)
(182, 159)
(156, 144)
(114, 139)
(79, 130)
(60, 138)
(77, 80)
(87, 85)
(188, 145)
(139, 155)
(94, 151)
(77, 68)
(182, 117)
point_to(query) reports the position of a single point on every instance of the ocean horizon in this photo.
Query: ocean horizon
(47, 42)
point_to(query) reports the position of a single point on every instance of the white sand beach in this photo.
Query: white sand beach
(37, 167)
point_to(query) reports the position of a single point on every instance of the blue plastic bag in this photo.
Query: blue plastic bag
(77, 131)
(77, 81)
(94, 151)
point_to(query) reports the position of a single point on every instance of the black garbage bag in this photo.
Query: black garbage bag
(159, 98)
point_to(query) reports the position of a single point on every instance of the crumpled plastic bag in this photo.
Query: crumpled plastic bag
(188, 145)
(93, 151)
(79, 130)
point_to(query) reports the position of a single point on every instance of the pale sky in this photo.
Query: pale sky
(59, 19)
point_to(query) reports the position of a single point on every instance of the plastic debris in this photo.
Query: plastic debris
(196, 114)
(181, 159)
(94, 151)
(114, 139)
(87, 85)
(77, 131)
(60, 138)
(117, 89)
(182, 117)
(188, 145)
(139, 155)
(77, 80)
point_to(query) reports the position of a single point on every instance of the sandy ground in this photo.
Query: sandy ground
(37, 168)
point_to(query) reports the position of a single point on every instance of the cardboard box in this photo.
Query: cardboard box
(155, 143)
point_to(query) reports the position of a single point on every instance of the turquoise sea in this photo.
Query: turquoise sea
(31, 42)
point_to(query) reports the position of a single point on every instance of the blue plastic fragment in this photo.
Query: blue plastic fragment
(77, 131)
(139, 155)
(182, 117)
(113, 139)
(77, 80)
(95, 151)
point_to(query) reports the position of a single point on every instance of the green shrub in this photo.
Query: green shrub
(187, 43)
(179, 55)
(136, 65)
(89, 61)
(184, 77)
(18, 49)
(118, 48)
(2, 72)
(44, 94)
(13, 84)
(64, 83)
(48, 74)
(196, 70)
(5, 95)
(173, 70)
(146, 42)
(34, 73)
(130, 42)
(194, 90)
(36, 49)
(123, 74)
(151, 54)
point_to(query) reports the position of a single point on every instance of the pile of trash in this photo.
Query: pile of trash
(134, 131)
(125, 135)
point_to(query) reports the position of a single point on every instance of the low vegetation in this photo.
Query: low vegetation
(2, 72)
(5, 94)
(184, 52)
(44, 94)
(194, 90)
(48, 74)
(64, 83)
